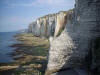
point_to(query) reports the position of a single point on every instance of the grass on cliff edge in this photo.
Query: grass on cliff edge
(30, 56)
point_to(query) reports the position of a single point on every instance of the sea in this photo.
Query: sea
(6, 40)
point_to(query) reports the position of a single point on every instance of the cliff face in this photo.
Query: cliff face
(44, 26)
(72, 36)
(49, 25)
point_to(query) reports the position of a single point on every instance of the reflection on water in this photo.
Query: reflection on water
(6, 39)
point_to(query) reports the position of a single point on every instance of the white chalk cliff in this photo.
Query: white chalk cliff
(72, 36)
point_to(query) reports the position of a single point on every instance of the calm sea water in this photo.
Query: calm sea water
(6, 40)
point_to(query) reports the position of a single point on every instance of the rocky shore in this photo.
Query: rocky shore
(30, 56)
(74, 38)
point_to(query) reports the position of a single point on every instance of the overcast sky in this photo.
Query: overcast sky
(17, 14)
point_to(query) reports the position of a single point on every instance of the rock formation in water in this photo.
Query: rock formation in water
(74, 38)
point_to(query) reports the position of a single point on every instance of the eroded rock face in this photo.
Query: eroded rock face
(44, 26)
(61, 22)
(71, 49)
(71, 35)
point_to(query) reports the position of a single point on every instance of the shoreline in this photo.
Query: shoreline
(29, 55)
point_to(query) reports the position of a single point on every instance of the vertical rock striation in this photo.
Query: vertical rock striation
(72, 36)
(72, 48)
(43, 26)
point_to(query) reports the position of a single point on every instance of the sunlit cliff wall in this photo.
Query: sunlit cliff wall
(44, 26)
